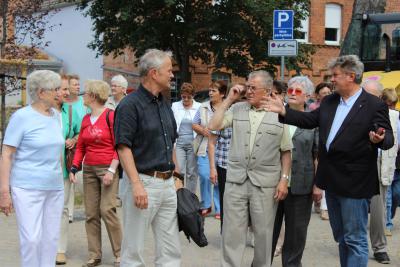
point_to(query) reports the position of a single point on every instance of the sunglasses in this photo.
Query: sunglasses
(296, 91)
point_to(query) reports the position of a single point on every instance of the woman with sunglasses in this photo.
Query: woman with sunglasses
(184, 112)
(296, 208)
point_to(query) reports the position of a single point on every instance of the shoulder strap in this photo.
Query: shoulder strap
(108, 122)
(69, 119)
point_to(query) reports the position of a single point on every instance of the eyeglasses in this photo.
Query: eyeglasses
(186, 97)
(296, 91)
(253, 89)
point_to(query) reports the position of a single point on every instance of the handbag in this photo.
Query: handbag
(198, 140)
(69, 153)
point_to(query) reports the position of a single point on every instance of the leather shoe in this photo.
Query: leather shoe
(382, 257)
(92, 263)
(61, 259)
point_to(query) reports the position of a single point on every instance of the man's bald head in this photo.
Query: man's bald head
(373, 87)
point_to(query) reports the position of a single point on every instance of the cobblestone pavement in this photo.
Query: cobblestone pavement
(320, 249)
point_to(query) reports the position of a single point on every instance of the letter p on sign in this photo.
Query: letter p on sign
(282, 17)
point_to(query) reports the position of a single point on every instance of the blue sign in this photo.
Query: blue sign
(283, 25)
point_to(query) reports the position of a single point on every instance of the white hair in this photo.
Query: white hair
(120, 81)
(152, 59)
(266, 78)
(42, 79)
(377, 85)
(305, 82)
(349, 63)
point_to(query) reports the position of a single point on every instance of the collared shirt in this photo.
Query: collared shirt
(111, 103)
(342, 111)
(255, 116)
(146, 124)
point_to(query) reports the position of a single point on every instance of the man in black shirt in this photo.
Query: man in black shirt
(145, 133)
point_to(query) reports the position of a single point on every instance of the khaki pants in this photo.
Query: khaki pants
(160, 215)
(240, 201)
(377, 222)
(100, 202)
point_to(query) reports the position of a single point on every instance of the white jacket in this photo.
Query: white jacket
(179, 112)
(388, 158)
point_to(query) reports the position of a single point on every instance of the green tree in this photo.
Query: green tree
(227, 33)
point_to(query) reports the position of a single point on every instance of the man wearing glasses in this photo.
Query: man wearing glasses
(257, 175)
(352, 126)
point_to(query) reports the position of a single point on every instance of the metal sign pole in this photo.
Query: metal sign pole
(282, 68)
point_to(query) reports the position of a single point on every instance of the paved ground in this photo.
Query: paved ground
(320, 249)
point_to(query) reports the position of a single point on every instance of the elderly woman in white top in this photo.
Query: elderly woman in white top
(118, 91)
(184, 112)
(31, 167)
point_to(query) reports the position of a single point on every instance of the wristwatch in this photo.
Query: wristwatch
(73, 169)
(285, 177)
(111, 170)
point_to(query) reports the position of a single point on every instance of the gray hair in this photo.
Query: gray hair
(120, 80)
(378, 86)
(152, 59)
(42, 79)
(350, 64)
(266, 78)
(305, 82)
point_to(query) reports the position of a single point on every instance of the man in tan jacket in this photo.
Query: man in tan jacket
(258, 166)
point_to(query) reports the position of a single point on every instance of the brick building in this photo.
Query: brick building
(323, 33)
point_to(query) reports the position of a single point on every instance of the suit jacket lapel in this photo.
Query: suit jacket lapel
(358, 105)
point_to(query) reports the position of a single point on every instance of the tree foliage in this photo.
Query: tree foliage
(227, 33)
(24, 23)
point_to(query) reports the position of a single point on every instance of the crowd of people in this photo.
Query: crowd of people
(264, 152)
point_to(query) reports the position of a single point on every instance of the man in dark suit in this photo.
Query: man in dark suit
(352, 126)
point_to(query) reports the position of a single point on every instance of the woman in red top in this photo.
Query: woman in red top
(95, 148)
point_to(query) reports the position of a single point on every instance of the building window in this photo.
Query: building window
(221, 76)
(333, 22)
(304, 26)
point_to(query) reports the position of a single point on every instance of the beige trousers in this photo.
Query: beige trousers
(100, 202)
(240, 201)
(160, 215)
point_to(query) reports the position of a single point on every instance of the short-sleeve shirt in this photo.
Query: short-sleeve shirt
(146, 124)
(39, 145)
(255, 120)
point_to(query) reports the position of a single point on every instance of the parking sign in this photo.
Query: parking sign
(283, 25)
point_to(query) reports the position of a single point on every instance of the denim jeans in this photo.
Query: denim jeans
(187, 165)
(349, 218)
(395, 193)
(205, 185)
(389, 223)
